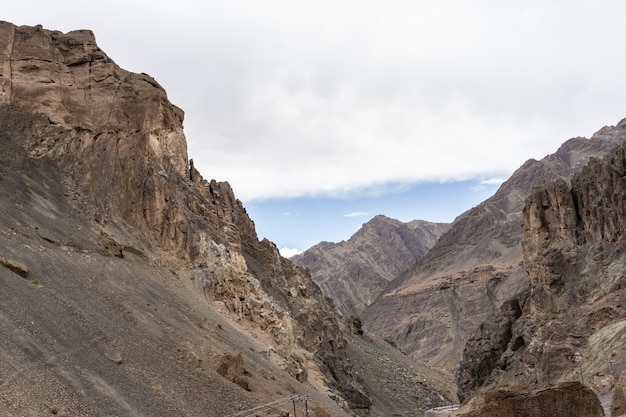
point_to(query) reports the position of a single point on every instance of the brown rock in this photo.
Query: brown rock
(573, 242)
(115, 356)
(355, 325)
(550, 221)
(15, 266)
(570, 399)
(231, 367)
(572, 247)
(485, 348)
(618, 406)
(243, 382)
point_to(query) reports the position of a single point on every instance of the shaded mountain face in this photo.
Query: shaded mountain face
(355, 271)
(130, 285)
(573, 325)
(432, 309)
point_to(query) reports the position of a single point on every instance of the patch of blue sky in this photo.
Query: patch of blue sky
(299, 223)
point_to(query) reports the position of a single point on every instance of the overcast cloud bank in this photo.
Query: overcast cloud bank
(312, 110)
(293, 98)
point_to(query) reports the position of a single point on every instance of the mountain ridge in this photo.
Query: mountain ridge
(355, 271)
(475, 266)
(570, 326)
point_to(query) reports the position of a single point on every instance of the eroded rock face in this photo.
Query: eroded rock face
(574, 240)
(618, 406)
(355, 271)
(114, 132)
(484, 350)
(120, 146)
(435, 306)
(573, 251)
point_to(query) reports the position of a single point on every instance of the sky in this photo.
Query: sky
(322, 114)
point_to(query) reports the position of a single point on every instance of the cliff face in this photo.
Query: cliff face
(573, 250)
(355, 271)
(81, 134)
(573, 327)
(433, 308)
(115, 135)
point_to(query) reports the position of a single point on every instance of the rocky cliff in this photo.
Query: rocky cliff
(432, 309)
(355, 271)
(573, 325)
(141, 275)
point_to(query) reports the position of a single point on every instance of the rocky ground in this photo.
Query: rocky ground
(399, 386)
(87, 333)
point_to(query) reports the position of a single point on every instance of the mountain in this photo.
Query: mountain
(129, 284)
(430, 310)
(571, 325)
(355, 271)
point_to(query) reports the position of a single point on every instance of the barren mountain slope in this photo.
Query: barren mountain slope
(123, 239)
(100, 329)
(431, 310)
(355, 271)
(129, 285)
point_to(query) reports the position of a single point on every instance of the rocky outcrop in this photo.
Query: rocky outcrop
(15, 266)
(484, 350)
(117, 147)
(573, 251)
(567, 399)
(618, 405)
(355, 271)
(432, 309)
(115, 133)
(232, 368)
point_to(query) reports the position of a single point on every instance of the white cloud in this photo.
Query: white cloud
(403, 92)
(482, 185)
(300, 98)
(289, 252)
(493, 181)
(357, 214)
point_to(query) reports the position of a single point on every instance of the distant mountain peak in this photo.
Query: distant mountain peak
(355, 271)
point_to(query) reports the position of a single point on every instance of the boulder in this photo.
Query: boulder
(571, 399)
(15, 266)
